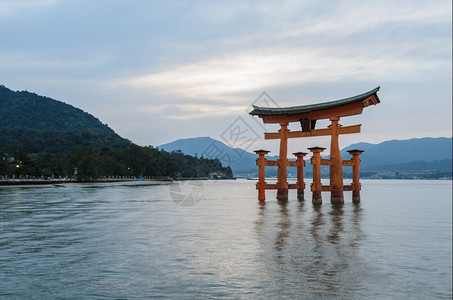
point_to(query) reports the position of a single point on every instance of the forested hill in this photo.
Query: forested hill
(44, 125)
(42, 137)
(29, 110)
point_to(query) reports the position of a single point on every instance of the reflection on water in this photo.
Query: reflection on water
(314, 246)
(283, 226)
(135, 242)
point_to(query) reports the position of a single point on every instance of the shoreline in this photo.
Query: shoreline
(63, 183)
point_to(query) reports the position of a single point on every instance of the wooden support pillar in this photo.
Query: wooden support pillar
(316, 185)
(355, 174)
(300, 174)
(282, 182)
(261, 162)
(336, 165)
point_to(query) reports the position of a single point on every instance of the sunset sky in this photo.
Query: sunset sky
(157, 71)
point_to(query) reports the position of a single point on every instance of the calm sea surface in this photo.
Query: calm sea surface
(126, 242)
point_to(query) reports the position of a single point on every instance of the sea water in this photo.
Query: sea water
(219, 241)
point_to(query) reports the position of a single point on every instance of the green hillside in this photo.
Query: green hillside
(40, 136)
(43, 125)
(29, 110)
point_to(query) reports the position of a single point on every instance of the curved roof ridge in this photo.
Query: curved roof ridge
(257, 110)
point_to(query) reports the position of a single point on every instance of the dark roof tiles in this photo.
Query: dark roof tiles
(257, 110)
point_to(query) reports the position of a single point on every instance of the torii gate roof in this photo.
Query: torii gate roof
(344, 107)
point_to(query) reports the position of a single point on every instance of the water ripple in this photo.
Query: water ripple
(135, 242)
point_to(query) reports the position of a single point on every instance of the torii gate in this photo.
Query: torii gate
(307, 116)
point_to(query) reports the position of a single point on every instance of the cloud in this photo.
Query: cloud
(188, 65)
(215, 12)
(348, 17)
(8, 6)
(333, 42)
(189, 110)
(22, 61)
(219, 78)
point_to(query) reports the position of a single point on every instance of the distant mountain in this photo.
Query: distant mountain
(398, 152)
(444, 165)
(240, 161)
(44, 125)
(413, 154)
(194, 146)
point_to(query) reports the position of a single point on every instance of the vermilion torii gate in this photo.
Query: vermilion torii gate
(307, 115)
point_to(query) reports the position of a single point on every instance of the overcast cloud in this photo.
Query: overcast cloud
(156, 71)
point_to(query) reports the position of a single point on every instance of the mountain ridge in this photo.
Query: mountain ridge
(45, 138)
(373, 159)
(40, 124)
(238, 159)
(27, 109)
(404, 151)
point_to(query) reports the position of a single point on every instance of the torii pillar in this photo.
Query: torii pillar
(356, 187)
(261, 162)
(336, 165)
(300, 163)
(316, 186)
(282, 183)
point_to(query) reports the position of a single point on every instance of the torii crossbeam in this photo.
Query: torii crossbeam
(307, 115)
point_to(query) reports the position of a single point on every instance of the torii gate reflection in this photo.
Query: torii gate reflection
(307, 115)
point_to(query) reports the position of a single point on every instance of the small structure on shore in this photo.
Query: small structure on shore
(307, 116)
